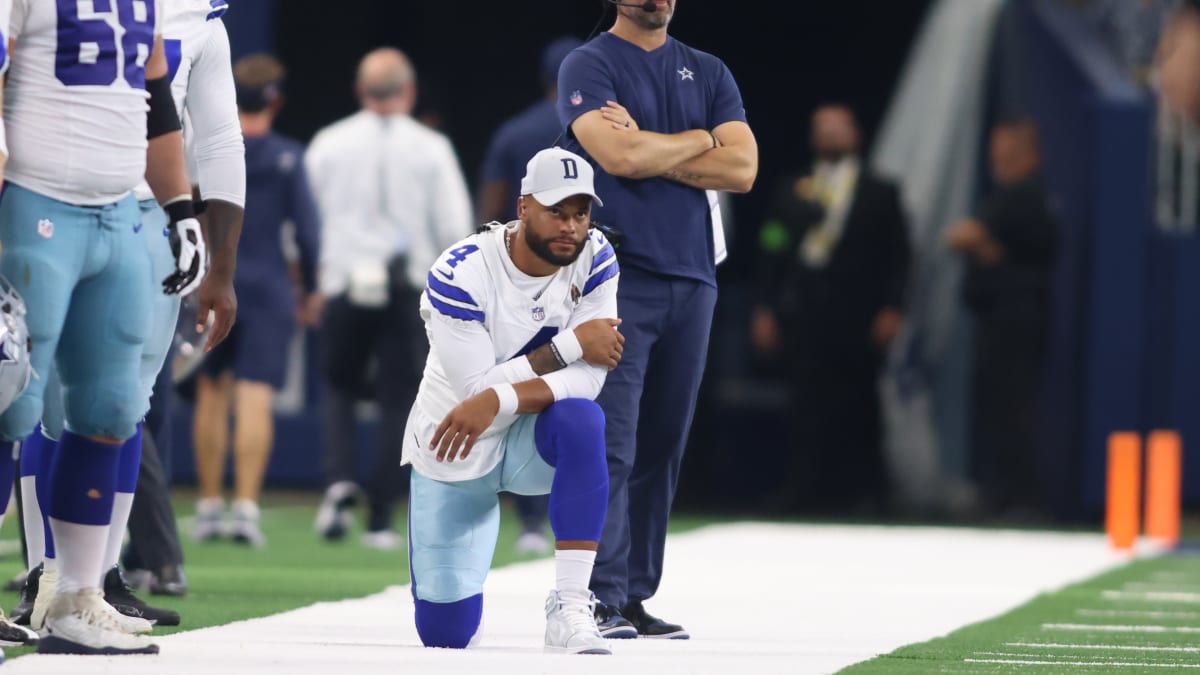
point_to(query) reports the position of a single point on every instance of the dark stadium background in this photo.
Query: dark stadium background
(477, 61)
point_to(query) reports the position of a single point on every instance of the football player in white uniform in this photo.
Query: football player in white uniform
(198, 58)
(82, 137)
(522, 326)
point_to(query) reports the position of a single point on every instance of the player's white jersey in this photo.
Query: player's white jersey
(193, 33)
(75, 101)
(473, 284)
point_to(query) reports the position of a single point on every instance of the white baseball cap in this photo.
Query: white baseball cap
(554, 174)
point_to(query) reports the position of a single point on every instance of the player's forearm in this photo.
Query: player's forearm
(533, 396)
(646, 154)
(728, 168)
(222, 231)
(165, 167)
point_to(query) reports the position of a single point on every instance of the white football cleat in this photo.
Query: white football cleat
(571, 624)
(532, 543)
(208, 525)
(244, 528)
(83, 623)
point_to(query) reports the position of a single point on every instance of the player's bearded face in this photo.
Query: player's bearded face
(557, 233)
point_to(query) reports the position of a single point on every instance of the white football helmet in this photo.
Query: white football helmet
(15, 366)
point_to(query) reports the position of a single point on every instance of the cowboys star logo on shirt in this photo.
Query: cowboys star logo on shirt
(539, 314)
(576, 97)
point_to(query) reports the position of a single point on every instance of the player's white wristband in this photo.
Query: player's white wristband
(508, 399)
(3, 140)
(567, 346)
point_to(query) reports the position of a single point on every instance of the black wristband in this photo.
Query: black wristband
(180, 210)
(714, 138)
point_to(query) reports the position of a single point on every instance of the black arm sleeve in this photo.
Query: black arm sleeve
(163, 118)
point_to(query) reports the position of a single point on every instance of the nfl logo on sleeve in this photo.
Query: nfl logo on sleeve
(576, 97)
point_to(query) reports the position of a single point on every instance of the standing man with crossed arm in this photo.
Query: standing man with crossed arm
(663, 123)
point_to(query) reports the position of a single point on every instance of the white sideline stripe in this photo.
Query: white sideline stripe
(1103, 628)
(1083, 664)
(1156, 596)
(874, 589)
(1129, 648)
(1137, 614)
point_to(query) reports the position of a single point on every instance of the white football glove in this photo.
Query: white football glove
(191, 257)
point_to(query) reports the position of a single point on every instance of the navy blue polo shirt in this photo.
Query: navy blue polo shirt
(277, 190)
(515, 143)
(667, 226)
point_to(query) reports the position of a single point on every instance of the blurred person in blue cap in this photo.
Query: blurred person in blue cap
(243, 373)
(519, 138)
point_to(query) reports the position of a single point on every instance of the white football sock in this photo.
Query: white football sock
(122, 505)
(31, 515)
(573, 569)
(80, 550)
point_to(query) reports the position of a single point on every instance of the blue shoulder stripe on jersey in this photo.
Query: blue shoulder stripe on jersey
(604, 254)
(452, 311)
(453, 292)
(601, 277)
(219, 8)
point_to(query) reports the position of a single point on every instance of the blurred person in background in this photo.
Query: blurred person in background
(835, 261)
(391, 197)
(663, 123)
(242, 374)
(1179, 61)
(1010, 249)
(518, 139)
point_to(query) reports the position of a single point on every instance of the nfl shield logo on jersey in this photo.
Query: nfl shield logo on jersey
(46, 228)
(576, 97)
(539, 314)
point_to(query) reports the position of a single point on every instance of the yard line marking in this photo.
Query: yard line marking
(1164, 575)
(1130, 648)
(1170, 586)
(1101, 628)
(1137, 613)
(1156, 596)
(1083, 664)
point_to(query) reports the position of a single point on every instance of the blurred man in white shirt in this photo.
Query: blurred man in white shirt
(391, 197)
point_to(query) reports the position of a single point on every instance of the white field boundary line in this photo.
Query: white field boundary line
(1137, 614)
(1123, 648)
(1152, 596)
(1077, 663)
(1102, 628)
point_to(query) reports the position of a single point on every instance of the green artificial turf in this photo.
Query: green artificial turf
(1152, 607)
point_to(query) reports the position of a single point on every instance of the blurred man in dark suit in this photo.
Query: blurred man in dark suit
(835, 267)
(1010, 249)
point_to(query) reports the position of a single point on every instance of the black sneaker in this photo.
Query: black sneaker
(118, 594)
(649, 626)
(29, 591)
(611, 624)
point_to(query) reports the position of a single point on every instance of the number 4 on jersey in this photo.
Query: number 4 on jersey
(460, 254)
